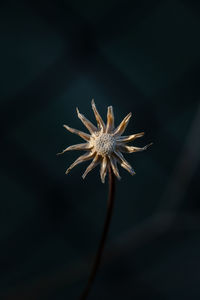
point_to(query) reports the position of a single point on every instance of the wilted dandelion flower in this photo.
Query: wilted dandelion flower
(105, 144)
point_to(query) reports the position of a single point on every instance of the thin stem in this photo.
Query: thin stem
(103, 237)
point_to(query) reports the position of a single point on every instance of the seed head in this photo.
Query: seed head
(105, 144)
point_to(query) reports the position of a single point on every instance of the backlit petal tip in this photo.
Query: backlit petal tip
(147, 146)
(143, 148)
(60, 153)
(128, 168)
(93, 103)
(124, 164)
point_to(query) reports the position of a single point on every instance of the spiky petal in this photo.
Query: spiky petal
(103, 170)
(114, 167)
(129, 138)
(131, 149)
(83, 135)
(86, 122)
(93, 164)
(123, 162)
(100, 122)
(84, 146)
(79, 160)
(122, 126)
(110, 120)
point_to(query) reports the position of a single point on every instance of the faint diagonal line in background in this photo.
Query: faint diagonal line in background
(184, 170)
(166, 212)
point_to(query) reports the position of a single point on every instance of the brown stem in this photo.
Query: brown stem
(103, 237)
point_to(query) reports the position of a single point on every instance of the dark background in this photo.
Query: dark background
(140, 56)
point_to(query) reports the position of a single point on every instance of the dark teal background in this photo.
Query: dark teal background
(139, 56)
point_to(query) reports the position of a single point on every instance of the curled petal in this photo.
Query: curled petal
(122, 126)
(103, 170)
(124, 164)
(129, 138)
(114, 167)
(93, 164)
(86, 122)
(84, 146)
(110, 119)
(79, 160)
(100, 122)
(83, 135)
(131, 149)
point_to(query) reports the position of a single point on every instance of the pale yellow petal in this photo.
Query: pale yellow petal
(93, 164)
(86, 122)
(114, 167)
(110, 119)
(124, 164)
(122, 126)
(100, 122)
(129, 138)
(83, 135)
(131, 149)
(103, 170)
(79, 160)
(84, 146)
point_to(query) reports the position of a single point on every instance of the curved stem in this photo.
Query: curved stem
(103, 237)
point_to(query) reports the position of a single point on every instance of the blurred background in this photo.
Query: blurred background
(139, 56)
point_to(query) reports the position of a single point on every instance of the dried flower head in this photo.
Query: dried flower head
(105, 144)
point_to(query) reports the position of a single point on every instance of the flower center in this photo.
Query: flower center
(104, 144)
